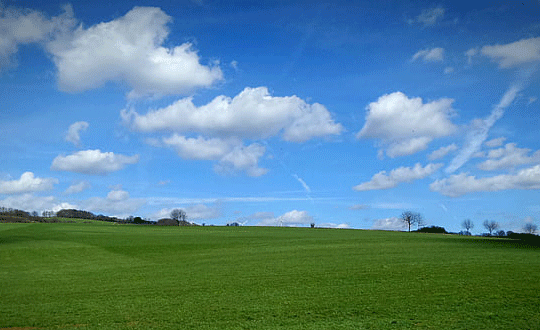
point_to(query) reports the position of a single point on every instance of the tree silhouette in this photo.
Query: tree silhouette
(411, 218)
(468, 225)
(491, 226)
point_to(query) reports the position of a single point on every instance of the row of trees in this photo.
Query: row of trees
(413, 218)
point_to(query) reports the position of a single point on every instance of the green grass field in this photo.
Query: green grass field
(106, 276)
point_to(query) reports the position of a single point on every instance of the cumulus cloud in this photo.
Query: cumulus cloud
(428, 17)
(253, 113)
(129, 49)
(26, 26)
(77, 187)
(118, 202)
(231, 154)
(477, 134)
(92, 162)
(509, 157)
(470, 54)
(334, 225)
(515, 53)
(382, 180)
(74, 131)
(407, 125)
(292, 218)
(442, 151)
(495, 142)
(448, 70)
(35, 203)
(392, 223)
(27, 183)
(461, 184)
(429, 55)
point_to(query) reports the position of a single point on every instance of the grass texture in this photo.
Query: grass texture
(106, 276)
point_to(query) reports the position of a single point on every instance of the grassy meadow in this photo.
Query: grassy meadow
(107, 276)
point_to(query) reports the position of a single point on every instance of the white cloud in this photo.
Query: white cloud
(515, 53)
(477, 134)
(25, 26)
(77, 187)
(129, 49)
(428, 17)
(253, 113)
(30, 202)
(448, 70)
(470, 54)
(74, 131)
(407, 125)
(92, 162)
(508, 157)
(27, 183)
(292, 218)
(382, 180)
(242, 159)
(334, 225)
(117, 203)
(231, 154)
(392, 223)
(201, 148)
(429, 55)
(442, 151)
(460, 184)
(495, 142)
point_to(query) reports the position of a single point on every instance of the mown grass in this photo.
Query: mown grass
(91, 276)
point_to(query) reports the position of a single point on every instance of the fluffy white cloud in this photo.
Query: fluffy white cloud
(460, 184)
(392, 223)
(448, 70)
(382, 180)
(30, 202)
(129, 49)
(18, 27)
(495, 142)
(442, 151)
(334, 225)
(77, 187)
(292, 218)
(231, 154)
(428, 17)
(193, 212)
(74, 131)
(407, 125)
(242, 159)
(253, 113)
(201, 148)
(508, 157)
(118, 203)
(515, 53)
(27, 183)
(92, 162)
(429, 55)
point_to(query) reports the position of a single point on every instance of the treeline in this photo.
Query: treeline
(16, 215)
(178, 217)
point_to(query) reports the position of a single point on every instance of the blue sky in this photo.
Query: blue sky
(273, 113)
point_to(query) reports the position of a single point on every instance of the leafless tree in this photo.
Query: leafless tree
(530, 228)
(411, 218)
(491, 226)
(468, 225)
(178, 215)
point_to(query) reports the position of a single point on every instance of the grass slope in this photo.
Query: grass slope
(95, 276)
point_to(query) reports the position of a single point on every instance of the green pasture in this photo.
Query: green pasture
(107, 276)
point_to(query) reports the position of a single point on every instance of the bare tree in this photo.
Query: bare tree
(411, 218)
(491, 226)
(530, 228)
(468, 225)
(178, 215)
